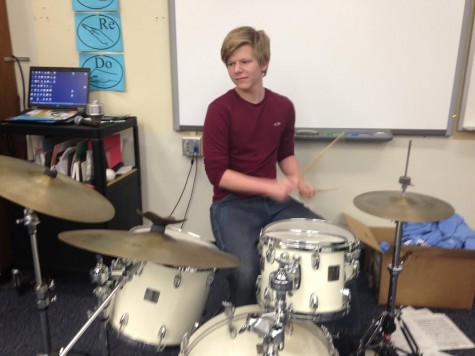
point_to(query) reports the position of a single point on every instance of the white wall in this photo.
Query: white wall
(439, 166)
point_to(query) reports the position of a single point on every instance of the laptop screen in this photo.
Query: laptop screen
(58, 87)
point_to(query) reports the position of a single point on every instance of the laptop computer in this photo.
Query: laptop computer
(55, 94)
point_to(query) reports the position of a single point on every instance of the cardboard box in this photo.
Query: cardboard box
(431, 277)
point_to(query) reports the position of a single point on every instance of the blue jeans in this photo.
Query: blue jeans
(237, 225)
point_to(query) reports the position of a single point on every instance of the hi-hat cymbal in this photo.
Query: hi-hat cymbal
(62, 197)
(407, 207)
(150, 246)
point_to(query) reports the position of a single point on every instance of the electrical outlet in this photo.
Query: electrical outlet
(192, 146)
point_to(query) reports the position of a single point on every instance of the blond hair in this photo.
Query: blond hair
(258, 40)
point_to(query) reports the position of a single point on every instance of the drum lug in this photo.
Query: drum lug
(356, 268)
(313, 301)
(315, 260)
(229, 310)
(161, 334)
(177, 279)
(124, 319)
(258, 285)
(267, 297)
(195, 327)
(346, 297)
(270, 255)
(185, 340)
(140, 268)
(210, 279)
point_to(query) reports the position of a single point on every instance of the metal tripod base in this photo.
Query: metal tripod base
(376, 342)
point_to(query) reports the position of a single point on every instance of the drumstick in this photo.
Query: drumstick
(322, 152)
(325, 190)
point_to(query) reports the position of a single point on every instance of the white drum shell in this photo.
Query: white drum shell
(304, 239)
(213, 338)
(152, 300)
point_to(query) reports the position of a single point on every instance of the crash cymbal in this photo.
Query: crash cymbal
(27, 185)
(150, 246)
(407, 207)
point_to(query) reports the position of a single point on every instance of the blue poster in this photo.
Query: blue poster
(98, 32)
(107, 71)
(95, 5)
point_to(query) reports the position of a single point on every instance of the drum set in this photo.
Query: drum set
(154, 291)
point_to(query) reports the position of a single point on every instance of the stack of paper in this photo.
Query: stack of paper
(433, 332)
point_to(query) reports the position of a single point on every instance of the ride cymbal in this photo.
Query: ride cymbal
(150, 246)
(60, 196)
(407, 207)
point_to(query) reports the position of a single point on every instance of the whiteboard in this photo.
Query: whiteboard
(467, 110)
(368, 64)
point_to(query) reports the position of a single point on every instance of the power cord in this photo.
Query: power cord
(184, 187)
(17, 61)
(192, 189)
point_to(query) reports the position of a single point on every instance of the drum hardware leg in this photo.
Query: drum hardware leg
(100, 276)
(30, 220)
(64, 351)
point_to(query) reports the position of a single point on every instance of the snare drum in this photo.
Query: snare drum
(327, 254)
(161, 303)
(214, 338)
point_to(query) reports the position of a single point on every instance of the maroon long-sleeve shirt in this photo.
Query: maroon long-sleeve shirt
(245, 137)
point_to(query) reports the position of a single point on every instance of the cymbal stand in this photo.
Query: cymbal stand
(378, 336)
(43, 298)
(126, 272)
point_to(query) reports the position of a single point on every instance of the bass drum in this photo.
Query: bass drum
(214, 338)
(327, 256)
(161, 303)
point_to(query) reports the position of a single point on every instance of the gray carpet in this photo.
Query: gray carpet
(20, 331)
